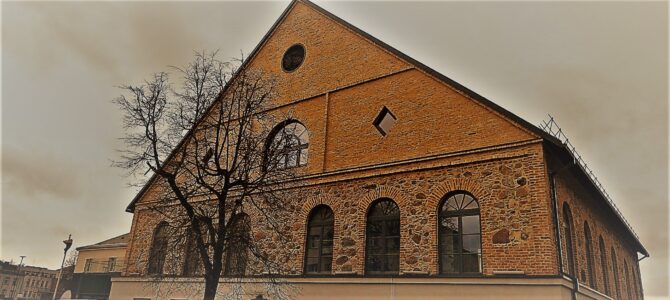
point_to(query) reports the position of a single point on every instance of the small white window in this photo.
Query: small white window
(88, 265)
(111, 264)
(384, 121)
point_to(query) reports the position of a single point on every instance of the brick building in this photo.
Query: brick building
(419, 186)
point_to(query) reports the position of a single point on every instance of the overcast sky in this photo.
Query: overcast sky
(599, 68)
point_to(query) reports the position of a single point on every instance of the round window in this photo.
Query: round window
(293, 58)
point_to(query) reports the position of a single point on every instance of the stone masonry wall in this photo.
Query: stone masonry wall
(509, 185)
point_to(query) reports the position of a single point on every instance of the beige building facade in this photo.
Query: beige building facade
(95, 266)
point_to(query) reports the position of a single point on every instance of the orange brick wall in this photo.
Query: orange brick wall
(442, 141)
(585, 207)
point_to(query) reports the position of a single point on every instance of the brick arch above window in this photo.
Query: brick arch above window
(470, 186)
(399, 197)
(312, 202)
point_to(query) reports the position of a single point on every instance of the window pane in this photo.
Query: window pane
(393, 245)
(393, 227)
(450, 225)
(448, 264)
(303, 156)
(471, 244)
(313, 252)
(292, 159)
(386, 123)
(470, 262)
(327, 250)
(449, 243)
(374, 229)
(326, 264)
(315, 231)
(312, 264)
(375, 245)
(374, 264)
(470, 224)
(392, 263)
(328, 232)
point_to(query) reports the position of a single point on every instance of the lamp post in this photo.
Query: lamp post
(17, 289)
(68, 244)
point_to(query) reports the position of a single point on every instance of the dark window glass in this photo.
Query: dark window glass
(589, 253)
(239, 234)
(293, 58)
(567, 233)
(382, 253)
(629, 288)
(460, 235)
(616, 277)
(192, 262)
(158, 249)
(603, 265)
(289, 146)
(319, 251)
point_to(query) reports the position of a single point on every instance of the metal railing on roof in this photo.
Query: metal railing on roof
(552, 128)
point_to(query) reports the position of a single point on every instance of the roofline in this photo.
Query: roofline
(131, 206)
(563, 150)
(470, 93)
(103, 246)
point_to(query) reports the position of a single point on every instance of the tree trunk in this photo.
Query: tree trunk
(211, 284)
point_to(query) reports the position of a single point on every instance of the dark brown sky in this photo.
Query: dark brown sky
(599, 67)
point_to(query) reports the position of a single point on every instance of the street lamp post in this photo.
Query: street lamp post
(17, 288)
(68, 244)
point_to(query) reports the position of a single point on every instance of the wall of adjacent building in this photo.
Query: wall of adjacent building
(587, 206)
(100, 258)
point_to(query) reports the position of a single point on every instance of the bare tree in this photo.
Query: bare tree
(218, 164)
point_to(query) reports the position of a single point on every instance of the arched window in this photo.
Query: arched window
(616, 277)
(382, 251)
(460, 247)
(603, 265)
(629, 288)
(158, 249)
(319, 247)
(567, 233)
(192, 261)
(589, 253)
(289, 145)
(237, 242)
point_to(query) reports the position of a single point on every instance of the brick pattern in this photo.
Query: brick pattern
(343, 83)
(510, 193)
(584, 208)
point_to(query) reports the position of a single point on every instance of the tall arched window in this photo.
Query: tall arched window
(237, 242)
(460, 247)
(627, 280)
(382, 251)
(158, 249)
(319, 247)
(192, 261)
(289, 145)
(617, 276)
(603, 265)
(589, 253)
(567, 233)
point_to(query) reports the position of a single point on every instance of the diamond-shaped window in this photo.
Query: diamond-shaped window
(384, 121)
